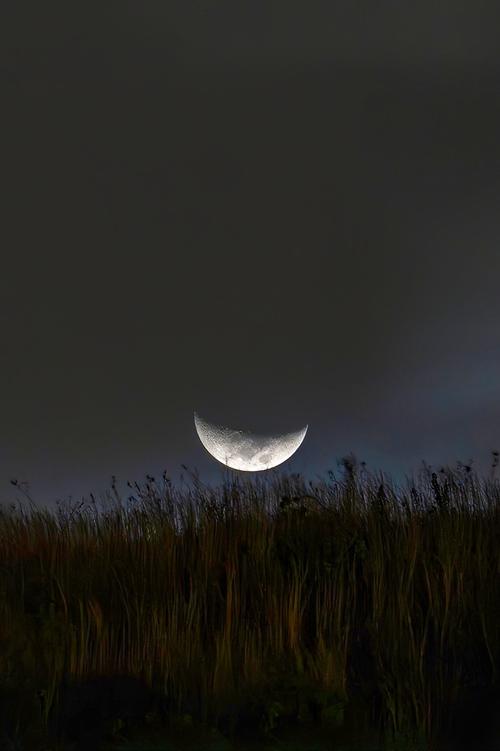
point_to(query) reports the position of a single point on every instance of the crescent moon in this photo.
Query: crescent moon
(247, 451)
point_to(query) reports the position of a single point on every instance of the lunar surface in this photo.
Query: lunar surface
(244, 450)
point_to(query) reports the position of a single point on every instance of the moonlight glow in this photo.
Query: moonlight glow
(246, 451)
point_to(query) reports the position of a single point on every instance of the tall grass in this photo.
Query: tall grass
(345, 585)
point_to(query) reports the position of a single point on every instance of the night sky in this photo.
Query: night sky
(274, 213)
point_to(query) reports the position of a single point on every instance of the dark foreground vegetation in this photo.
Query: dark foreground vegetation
(347, 606)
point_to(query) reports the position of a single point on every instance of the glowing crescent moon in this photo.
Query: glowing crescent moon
(249, 452)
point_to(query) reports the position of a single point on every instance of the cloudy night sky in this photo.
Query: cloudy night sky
(274, 213)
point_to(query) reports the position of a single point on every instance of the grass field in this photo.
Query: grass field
(345, 604)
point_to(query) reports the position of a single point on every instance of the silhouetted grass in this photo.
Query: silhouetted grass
(308, 596)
